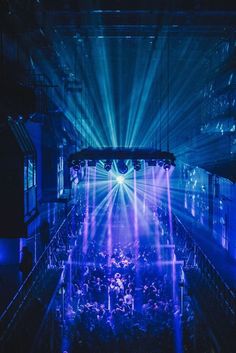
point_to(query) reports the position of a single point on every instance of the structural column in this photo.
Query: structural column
(232, 224)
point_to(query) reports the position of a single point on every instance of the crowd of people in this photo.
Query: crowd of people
(124, 297)
(126, 301)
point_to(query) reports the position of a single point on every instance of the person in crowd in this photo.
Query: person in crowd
(26, 263)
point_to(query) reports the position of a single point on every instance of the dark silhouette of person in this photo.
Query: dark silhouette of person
(45, 233)
(26, 263)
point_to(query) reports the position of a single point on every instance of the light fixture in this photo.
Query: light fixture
(137, 165)
(107, 165)
(167, 165)
(75, 165)
(120, 179)
(122, 167)
(151, 162)
(121, 155)
(92, 163)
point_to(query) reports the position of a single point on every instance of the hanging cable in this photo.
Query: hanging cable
(168, 89)
(80, 99)
(1, 55)
(160, 94)
(75, 103)
(156, 90)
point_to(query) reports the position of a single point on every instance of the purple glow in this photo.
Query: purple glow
(93, 217)
(136, 238)
(86, 218)
(169, 206)
(70, 276)
(109, 237)
(155, 217)
(145, 188)
(177, 320)
(115, 221)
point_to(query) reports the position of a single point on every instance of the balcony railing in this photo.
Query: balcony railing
(224, 295)
(50, 260)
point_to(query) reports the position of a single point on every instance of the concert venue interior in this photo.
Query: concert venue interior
(117, 174)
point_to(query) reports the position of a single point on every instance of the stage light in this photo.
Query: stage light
(82, 163)
(167, 165)
(120, 179)
(137, 165)
(122, 167)
(92, 163)
(75, 165)
(107, 165)
(120, 155)
(152, 162)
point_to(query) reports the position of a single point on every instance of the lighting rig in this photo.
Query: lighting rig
(120, 156)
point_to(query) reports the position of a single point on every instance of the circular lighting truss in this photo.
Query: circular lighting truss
(89, 157)
(122, 167)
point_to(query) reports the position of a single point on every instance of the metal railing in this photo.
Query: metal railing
(224, 294)
(50, 259)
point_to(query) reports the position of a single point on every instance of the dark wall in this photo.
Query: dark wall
(12, 186)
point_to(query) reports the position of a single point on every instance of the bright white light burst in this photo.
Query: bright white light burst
(120, 179)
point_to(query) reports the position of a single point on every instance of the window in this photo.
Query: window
(30, 199)
(60, 172)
